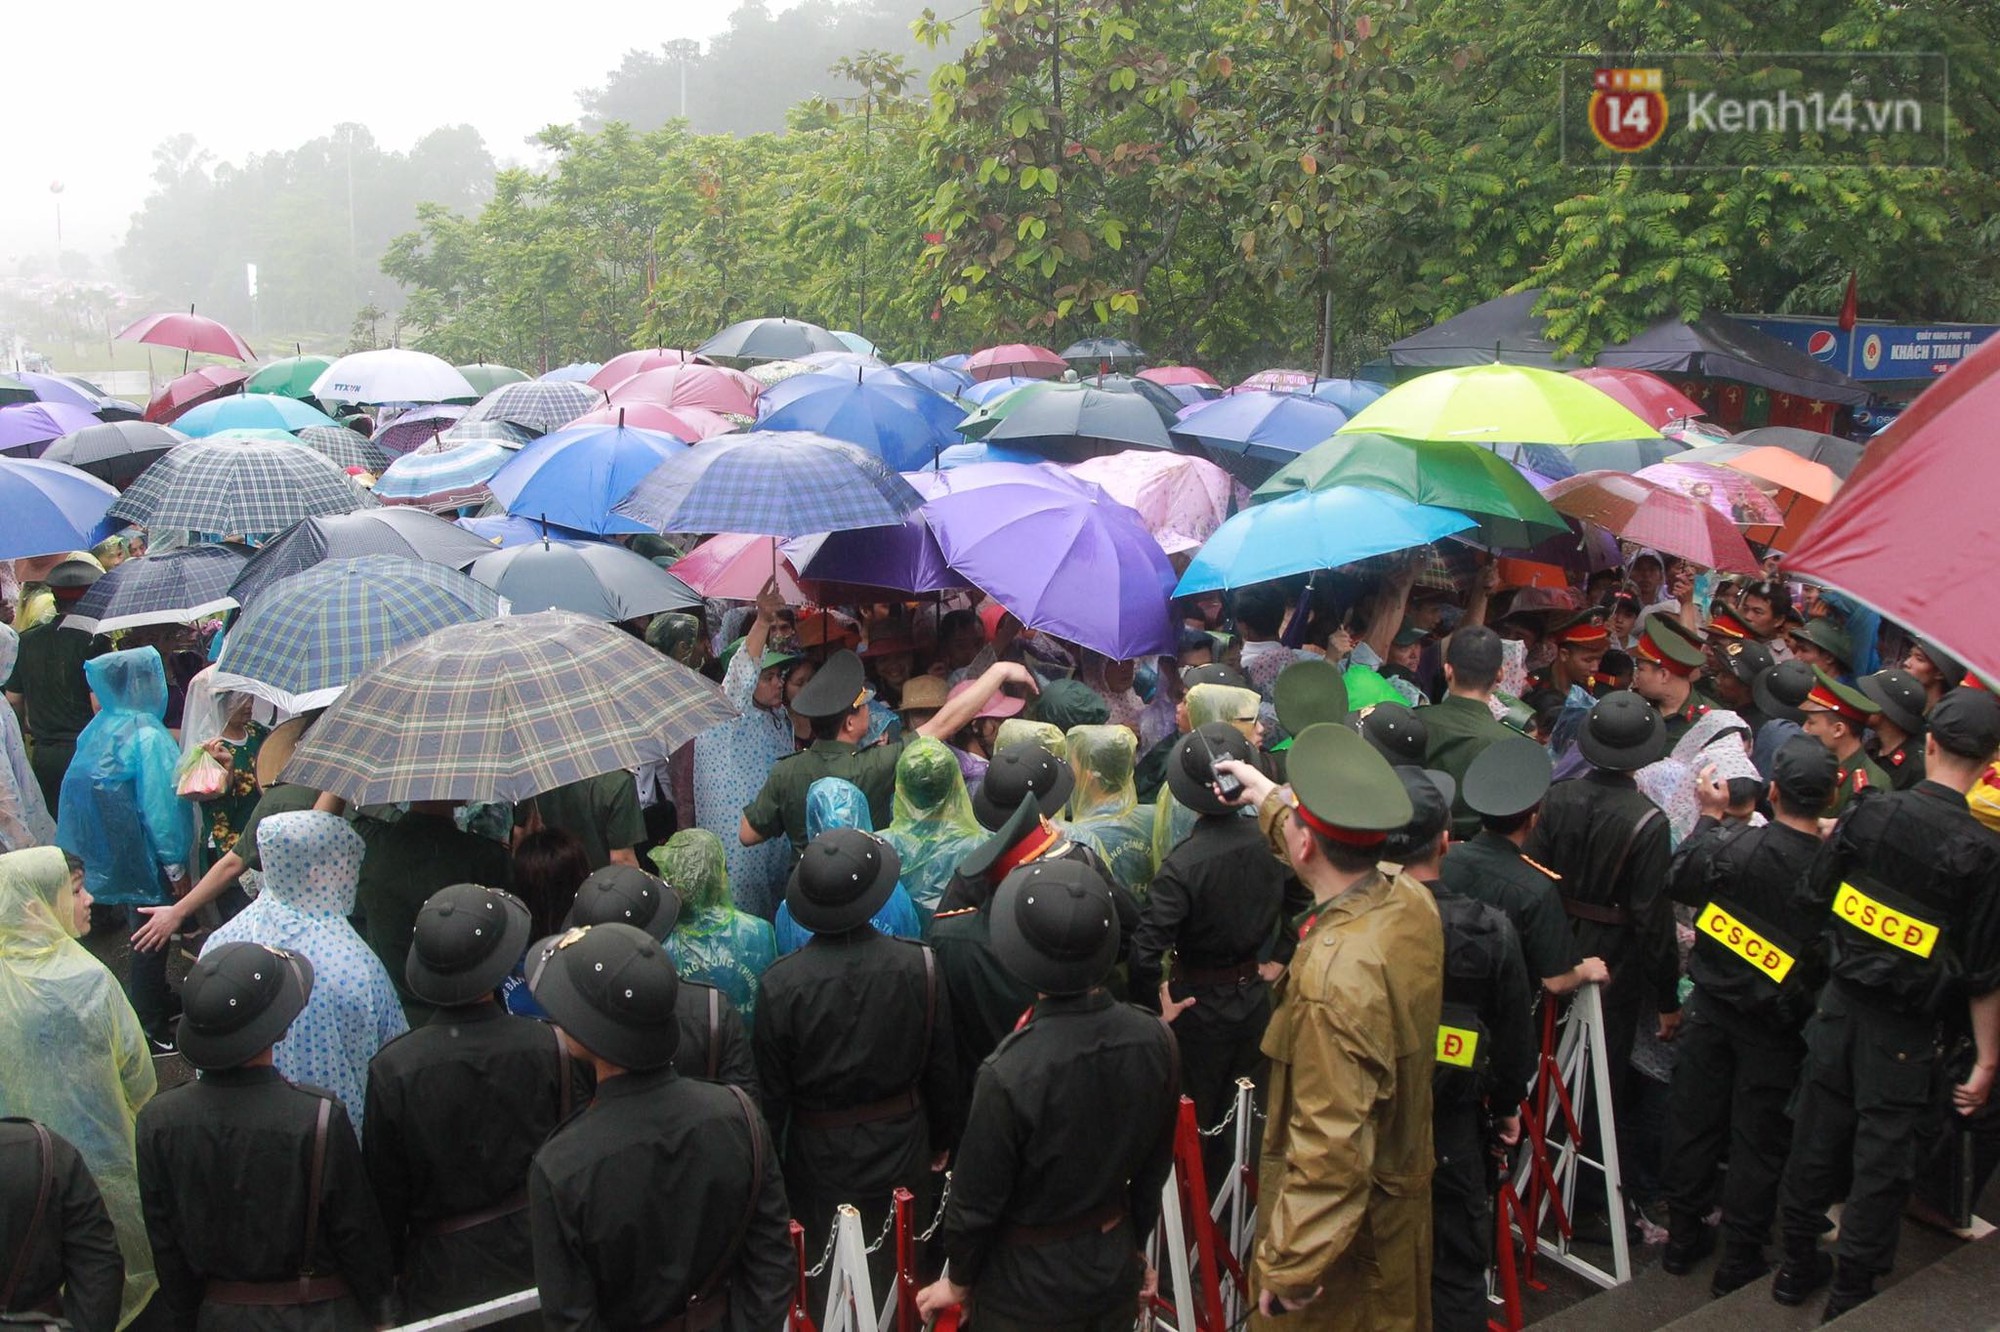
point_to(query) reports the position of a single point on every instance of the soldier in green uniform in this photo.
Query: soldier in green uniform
(1897, 747)
(1836, 716)
(1664, 661)
(47, 686)
(1821, 643)
(1460, 725)
(1581, 641)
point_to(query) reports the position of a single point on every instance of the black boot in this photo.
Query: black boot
(1741, 1264)
(1804, 1271)
(1688, 1242)
(1851, 1288)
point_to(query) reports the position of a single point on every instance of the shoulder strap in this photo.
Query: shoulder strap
(315, 1184)
(708, 1288)
(1631, 840)
(20, 1266)
(564, 1094)
(1173, 1072)
(930, 1003)
(714, 1033)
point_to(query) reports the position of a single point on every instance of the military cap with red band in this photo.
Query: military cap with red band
(1668, 645)
(1845, 702)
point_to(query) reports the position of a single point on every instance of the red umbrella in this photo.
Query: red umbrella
(190, 332)
(736, 566)
(1649, 514)
(626, 364)
(192, 389)
(692, 424)
(1015, 358)
(1650, 398)
(1732, 494)
(1180, 374)
(711, 387)
(1913, 531)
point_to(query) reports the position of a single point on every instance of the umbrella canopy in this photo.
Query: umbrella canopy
(1022, 359)
(205, 384)
(1500, 402)
(712, 388)
(735, 566)
(27, 428)
(1181, 499)
(766, 373)
(979, 451)
(775, 482)
(574, 476)
(1073, 421)
(1650, 514)
(1274, 427)
(1350, 395)
(244, 488)
(325, 625)
(906, 427)
(391, 374)
(1314, 529)
(591, 578)
(70, 391)
(250, 411)
(504, 710)
(1170, 375)
(408, 534)
(855, 342)
(787, 391)
(626, 364)
(347, 448)
(503, 531)
(770, 340)
(1782, 468)
(904, 558)
(1913, 531)
(1275, 381)
(170, 587)
(692, 424)
(1648, 397)
(989, 390)
(1732, 494)
(578, 371)
(189, 332)
(937, 378)
(116, 451)
(453, 479)
(537, 405)
(485, 378)
(1442, 474)
(1104, 351)
(1163, 399)
(505, 434)
(292, 377)
(16, 390)
(1059, 553)
(50, 507)
(1842, 456)
(834, 361)
(1617, 455)
(418, 427)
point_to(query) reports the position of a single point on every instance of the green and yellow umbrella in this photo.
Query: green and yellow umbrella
(1512, 404)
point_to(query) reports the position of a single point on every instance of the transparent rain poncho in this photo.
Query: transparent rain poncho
(24, 816)
(120, 812)
(1017, 730)
(713, 942)
(1205, 703)
(72, 1054)
(835, 802)
(1104, 810)
(933, 828)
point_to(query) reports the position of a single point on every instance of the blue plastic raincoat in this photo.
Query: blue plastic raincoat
(713, 942)
(835, 802)
(120, 813)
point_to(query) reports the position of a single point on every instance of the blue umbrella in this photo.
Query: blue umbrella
(1350, 395)
(827, 376)
(448, 480)
(574, 476)
(980, 451)
(50, 507)
(505, 531)
(906, 427)
(937, 378)
(1189, 395)
(1273, 427)
(1313, 529)
(574, 372)
(250, 411)
(955, 361)
(987, 390)
(782, 483)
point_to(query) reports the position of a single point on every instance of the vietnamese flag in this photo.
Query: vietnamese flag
(1849, 308)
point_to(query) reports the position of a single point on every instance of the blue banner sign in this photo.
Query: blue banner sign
(1880, 351)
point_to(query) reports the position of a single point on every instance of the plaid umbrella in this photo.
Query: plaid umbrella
(450, 480)
(773, 482)
(117, 451)
(417, 427)
(504, 710)
(173, 587)
(347, 448)
(320, 628)
(243, 488)
(408, 533)
(540, 405)
(504, 433)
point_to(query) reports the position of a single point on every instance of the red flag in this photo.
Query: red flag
(1849, 312)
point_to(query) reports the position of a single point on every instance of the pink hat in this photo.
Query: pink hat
(1000, 705)
(989, 618)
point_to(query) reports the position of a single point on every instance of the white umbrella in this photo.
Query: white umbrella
(393, 374)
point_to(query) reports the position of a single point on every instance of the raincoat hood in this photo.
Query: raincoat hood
(1102, 758)
(1220, 703)
(694, 865)
(835, 802)
(131, 681)
(678, 635)
(312, 861)
(934, 827)
(37, 904)
(1016, 730)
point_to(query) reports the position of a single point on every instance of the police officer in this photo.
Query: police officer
(1909, 887)
(1897, 746)
(660, 1204)
(457, 1107)
(257, 1203)
(1665, 658)
(1485, 1056)
(1837, 715)
(1398, 733)
(1755, 974)
(59, 1253)
(1070, 1136)
(714, 1045)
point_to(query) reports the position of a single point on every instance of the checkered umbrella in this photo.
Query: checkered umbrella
(418, 426)
(504, 710)
(173, 587)
(541, 405)
(302, 645)
(437, 481)
(241, 488)
(346, 447)
(771, 482)
(504, 433)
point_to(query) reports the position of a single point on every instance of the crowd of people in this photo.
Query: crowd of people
(954, 907)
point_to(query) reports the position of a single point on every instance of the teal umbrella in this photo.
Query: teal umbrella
(290, 378)
(1443, 473)
(485, 378)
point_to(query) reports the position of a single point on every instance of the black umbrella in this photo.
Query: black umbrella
(1837, 455)
(1095, 351)
(398, 530)
(116, 451)
(1165, 403)
(591, 578)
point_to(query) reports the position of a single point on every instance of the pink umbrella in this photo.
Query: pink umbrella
(192, 389)
(626, 364)
(1650, 514)
(1730, 493)
(1016, 358)
(190, 332)
(1650, 398)
(1182, 499)
(692, 424)
(1275, 381)
(735, 566)
(711, 387)
(1169, 375)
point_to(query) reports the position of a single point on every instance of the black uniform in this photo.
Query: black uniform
(1739, 1049)
(961, 891)
(1488, 995)
(1903, 870)
(646, 1197)
(1491, 869)
(714, 1046)
(67, 1264)
(225, 1171)
(1058, 1178)
(456, 1111)
(854, 1049)
(1904, 763)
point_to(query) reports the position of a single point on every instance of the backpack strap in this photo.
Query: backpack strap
(564, 1093)
(714, 1033)
(711, 1286)
(315, 1187)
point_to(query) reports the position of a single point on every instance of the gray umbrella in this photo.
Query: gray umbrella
(401, 530)
(346, 447)
(116, 451)
(770, 340)
(593, 578)
(1069, 422)
(539, 405)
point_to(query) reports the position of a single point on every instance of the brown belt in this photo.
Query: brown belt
(1595, 913)
(451, 1225)
(1240, 974)
(903, 1102)
(301, 1290)
(699, 1316)
(1099, 1220)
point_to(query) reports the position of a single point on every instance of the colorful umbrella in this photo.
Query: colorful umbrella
(593, 578)
(626, 364)
(116, 451)
(292, 377)
(1648, 397)
(905, 427)
(536, 405)
(1732, 494)
(904, 558)
(1171, 375)
(734, 566)
(244, 488)
(1841, 456)
(1314, 529)
(347, 448)
(1070, 421)
(1181, 499)
(770, 340)
(1275, 381)
(1445, 475)
(775, 482)
(413, 429)
(485, 378)
(322, 627)
(250, 411)
(1649, 514)
(712, 388)
(1271, 427)
(1104, 351)
(190, 332)
(692, 424)
(392, 374)
(1350, 395)
(574, 476)
(50, 507)
(1783, 469)
(169, 587)
(27, 428)
(408, 534)
(454, 479)
(1499, 402)
(1022, 359)
(991, 390)
(1163, 399)
(1059, 553)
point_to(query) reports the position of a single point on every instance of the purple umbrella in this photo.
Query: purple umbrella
(1058, 552)
(411, 429)
(905, 558)
(27, 428)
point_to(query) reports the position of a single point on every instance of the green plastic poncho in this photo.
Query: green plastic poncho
(1104, 810)
(1205, 703)
(677, 635)
(714, 943)
(1016, 730)
(933, 827)
(72, 1054)
(121, 812)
